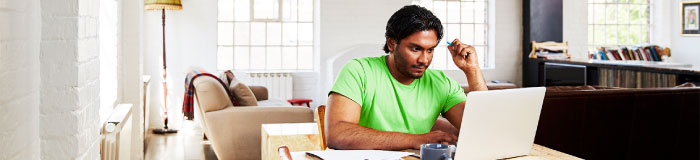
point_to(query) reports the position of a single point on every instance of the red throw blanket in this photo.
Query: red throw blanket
(188, 102)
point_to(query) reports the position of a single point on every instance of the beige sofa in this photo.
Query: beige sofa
(234, 131)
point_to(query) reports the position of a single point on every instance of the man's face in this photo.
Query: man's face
(414, 53)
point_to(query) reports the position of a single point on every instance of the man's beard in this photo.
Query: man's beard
(400, 64)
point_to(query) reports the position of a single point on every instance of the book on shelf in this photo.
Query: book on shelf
(642, 52)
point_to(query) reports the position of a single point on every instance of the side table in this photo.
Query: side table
(296, 136)
(300, 101)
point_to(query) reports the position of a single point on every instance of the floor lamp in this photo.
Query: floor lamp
(163, 5)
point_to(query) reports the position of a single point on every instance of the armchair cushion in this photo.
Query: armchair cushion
(242, 93)
(260, 92)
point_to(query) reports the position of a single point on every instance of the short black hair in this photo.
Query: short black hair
(411, 19)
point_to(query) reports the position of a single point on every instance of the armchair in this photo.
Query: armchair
(234, 132)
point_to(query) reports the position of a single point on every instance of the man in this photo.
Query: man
(391, 102)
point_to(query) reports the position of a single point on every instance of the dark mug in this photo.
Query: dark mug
(437, 152)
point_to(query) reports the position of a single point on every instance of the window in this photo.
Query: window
(265, 35)
(466, 20)
(617, 22)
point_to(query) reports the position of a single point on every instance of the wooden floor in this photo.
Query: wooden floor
(187, 144)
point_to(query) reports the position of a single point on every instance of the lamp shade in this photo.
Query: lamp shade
(162, 4)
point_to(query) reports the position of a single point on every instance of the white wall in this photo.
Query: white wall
(130, 64)
(575, 31)
(683, 49)
(20, 34)
(69, 56)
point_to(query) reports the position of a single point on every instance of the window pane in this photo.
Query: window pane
(467, 12)
(452, 32)
(591, 14)
(427, 4)
(467, 33)
(634, 34)
(453, 9)
(450, 63)
(440, 9)
(306, 58)
(599, 13)
(306, 10)
(274, 33)
(289, 57)
(480, 52)
(479, 34)
(480, 12)
(241, 58)
(644, 17)
(599, 33)
(590, 34)
(257, 33)
(242, 10)
(623, 34)
(265, 9)
(257, 58)
(624, 14)
(225, 33)
(611, 35)
(306, 34)
(644, 34)
(225, 10)
(611, 11)
(289, 10)
(242, 33)
(289, 34)
(634, 14)
(274, 58)
(224, 58)
(439, 57)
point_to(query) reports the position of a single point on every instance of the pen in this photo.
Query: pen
(450, 44)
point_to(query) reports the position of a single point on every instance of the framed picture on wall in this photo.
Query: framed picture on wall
(690, 18)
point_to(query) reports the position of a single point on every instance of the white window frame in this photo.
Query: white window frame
(486, 53)
(313, 46)
(641, 23)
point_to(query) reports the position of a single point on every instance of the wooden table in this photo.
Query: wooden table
(538, 152)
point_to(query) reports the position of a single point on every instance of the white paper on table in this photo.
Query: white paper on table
(359, 154)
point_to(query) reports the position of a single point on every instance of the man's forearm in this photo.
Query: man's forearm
(475, 79)
(347, 135)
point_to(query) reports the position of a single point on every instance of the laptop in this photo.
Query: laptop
(499, 124)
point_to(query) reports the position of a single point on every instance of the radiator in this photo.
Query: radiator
(115, 141)
(279, 85)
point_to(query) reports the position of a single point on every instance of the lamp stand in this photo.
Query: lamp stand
(165, 129)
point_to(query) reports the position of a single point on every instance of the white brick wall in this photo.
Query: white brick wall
(69, 119)
(20, 33)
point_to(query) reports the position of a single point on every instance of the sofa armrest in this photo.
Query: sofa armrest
(235, 131)
(260, 92)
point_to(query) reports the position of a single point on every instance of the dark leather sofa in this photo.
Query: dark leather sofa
(604, 123)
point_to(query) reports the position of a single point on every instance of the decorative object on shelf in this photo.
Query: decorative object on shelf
(550, 50)
(163, 5)
(690, 18)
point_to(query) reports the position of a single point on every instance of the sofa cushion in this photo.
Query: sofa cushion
(242, 93)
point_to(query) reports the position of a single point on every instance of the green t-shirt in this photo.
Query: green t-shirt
(389, 105)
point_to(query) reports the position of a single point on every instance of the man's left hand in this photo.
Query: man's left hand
(466, 63)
